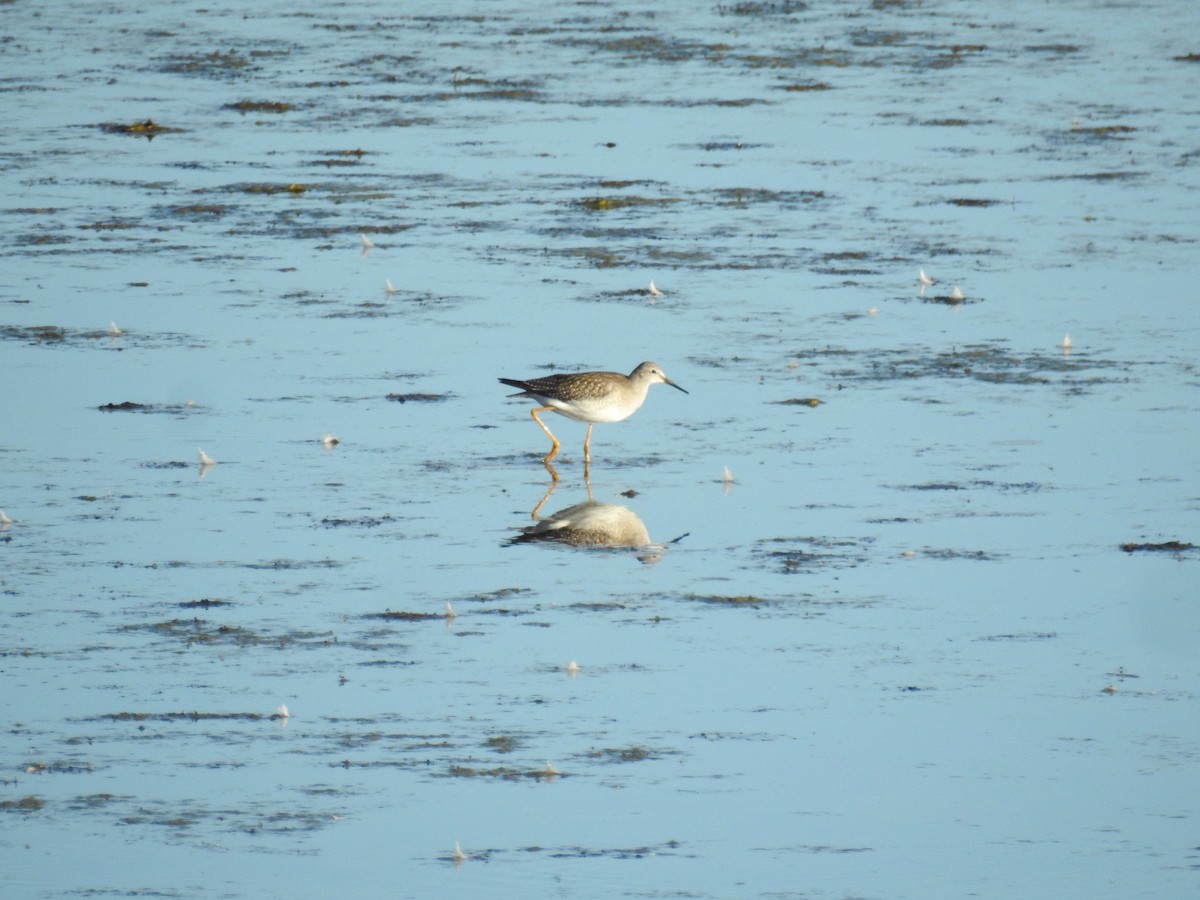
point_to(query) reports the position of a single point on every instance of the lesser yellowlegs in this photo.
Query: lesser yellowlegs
(590, 397)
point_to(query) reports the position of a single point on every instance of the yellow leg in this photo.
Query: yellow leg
(554, 452)
(587, 445)
(553, 486)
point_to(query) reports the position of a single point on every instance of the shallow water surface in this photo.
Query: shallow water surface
(898, 601)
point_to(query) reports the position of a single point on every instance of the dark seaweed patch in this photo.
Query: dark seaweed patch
(503, 743)
(216, 64)
(662, 49)
(95, 801)
(148, 129)
(201, 631)
(23, 804)
(811, 554)
(1102, 132)
(992, 363)
(604, 204)
(636, 753)
(184, 815)
(35, 334)
(810, 402)
(271, 106)
(200, 210)
(761, 8)
(804, 86)
(404, 616)
(751, 196)
(264, 188)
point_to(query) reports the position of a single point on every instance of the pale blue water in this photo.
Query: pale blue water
(875, 666)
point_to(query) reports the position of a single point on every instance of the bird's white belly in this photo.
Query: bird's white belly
(591, 412)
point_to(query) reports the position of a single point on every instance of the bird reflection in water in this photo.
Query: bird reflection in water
(592, 524)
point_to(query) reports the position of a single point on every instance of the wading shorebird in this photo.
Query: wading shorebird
(589, 397)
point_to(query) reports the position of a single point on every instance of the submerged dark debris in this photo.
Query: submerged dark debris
(609, 853)
(58, 768)
(949, 299)
(123, 406)
(506, 773)
(946, 553)
(359, 521)
(1164, 547)
(418, 398)
(194, 716)
(132, 406)
(721, 600)
(1019, 487)
(637, 295)
(1021, 636)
